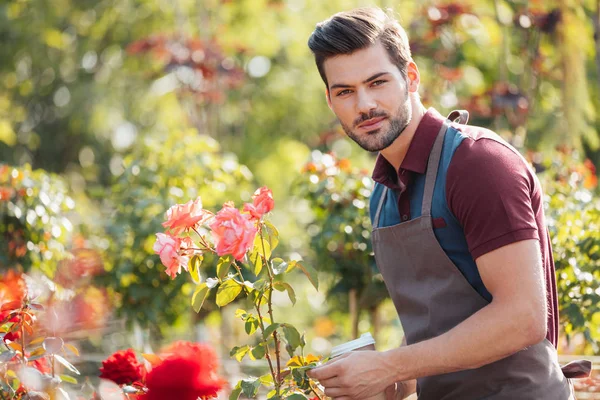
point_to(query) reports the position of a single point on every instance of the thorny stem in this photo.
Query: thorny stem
(262, 327)
(270, 308)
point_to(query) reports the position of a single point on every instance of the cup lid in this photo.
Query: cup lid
(364, 340)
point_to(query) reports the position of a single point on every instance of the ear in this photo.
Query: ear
(414, 77)
(328, 98)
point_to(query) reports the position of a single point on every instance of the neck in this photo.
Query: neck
(396, 152)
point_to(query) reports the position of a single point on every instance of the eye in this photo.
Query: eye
(378, 82)
(343, 92)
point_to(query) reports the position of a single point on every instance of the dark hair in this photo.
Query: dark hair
(349, 31)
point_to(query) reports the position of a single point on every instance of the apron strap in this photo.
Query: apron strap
(461, 115)
(379, 207)
(432, 169)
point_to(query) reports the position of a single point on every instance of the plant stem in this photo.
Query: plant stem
(203, 241)
(53, 365)
(262, 326)
(314, 391)
(270, 310)
(23, 338)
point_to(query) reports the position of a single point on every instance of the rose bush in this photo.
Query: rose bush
(245, 240)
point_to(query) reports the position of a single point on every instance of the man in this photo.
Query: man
(458, 234)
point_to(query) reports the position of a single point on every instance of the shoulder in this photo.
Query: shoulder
(483, 156)
(492, 191)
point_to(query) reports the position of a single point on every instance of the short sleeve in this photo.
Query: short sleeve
(490, 190)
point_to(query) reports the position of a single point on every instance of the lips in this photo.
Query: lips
(372, 123)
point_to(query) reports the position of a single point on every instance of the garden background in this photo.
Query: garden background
(113, 111)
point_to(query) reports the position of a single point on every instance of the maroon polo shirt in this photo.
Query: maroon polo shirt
(484, 174)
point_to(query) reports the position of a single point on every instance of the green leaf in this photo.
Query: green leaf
(227, 292)
(258, 352)
(194, 268)
(281, 286)
(242, 314)
(310, 273)
(235, 394)
(223, 266)
(279, 266)
(200, 294)
(292, 336)
(256, 260)
(260, 284)
(266, 380)
(67, 364)
(16, 383)
(68, 378)
(251, 325)
(262, 247)
(239, 352)
(272, 395)
(297, 396)
(271, 234)
(270, 329)
(250, 387)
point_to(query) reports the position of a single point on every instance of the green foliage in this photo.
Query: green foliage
(158, 174)
(340, 232)
(246, 243)
(573, 216)
(35, 208)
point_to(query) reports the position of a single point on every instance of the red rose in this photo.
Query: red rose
(188, 372)
(122, 368)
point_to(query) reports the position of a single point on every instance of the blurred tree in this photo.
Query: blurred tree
(573, 214)
(35, 231)
(158, 174)
(340, 234)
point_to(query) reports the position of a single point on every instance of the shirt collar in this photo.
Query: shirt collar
(418, 150)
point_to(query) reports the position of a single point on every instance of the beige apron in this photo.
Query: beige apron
(432, 297)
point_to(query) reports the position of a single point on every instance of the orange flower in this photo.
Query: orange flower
(6, 193)
(233, 232)
(181, 217)
(344, 164)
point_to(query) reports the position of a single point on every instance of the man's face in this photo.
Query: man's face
(369, 96)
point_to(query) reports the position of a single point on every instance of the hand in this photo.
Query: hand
(355, 375)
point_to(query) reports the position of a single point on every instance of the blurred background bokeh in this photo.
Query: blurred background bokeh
(111, 111)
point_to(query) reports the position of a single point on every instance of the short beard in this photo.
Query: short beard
(376, 140)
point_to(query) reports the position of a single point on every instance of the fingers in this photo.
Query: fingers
(327, 371)
(331, 383)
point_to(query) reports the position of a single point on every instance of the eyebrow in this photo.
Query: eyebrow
(340, 85)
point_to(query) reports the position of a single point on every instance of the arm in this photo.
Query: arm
(403, 389)
(515, 319)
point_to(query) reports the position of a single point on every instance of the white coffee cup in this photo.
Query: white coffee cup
(364, 342)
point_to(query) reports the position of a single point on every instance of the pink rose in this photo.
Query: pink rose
(233, 232)
(185, 216)
(262, 203)
(167, 247)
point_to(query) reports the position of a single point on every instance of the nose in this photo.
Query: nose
(365, 102)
